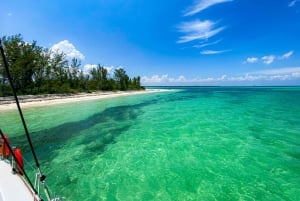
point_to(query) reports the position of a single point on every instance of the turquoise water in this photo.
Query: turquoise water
(193, 143)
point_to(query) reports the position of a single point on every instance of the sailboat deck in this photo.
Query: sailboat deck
(12, 186)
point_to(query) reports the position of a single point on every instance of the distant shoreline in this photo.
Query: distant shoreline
(29, 101)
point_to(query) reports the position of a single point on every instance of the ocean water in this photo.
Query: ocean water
(191, 143)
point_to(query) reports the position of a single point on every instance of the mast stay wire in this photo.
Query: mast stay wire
(42, 177)
(18, 105)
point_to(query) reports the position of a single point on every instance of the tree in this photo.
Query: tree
(121, 79)
(135, 83)
(73, 73)
(23, 59)
(36, 70)
(99, 77)
(58, 75)
(40, 72)
(83, 81)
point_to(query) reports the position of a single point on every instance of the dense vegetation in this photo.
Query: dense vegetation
(37, 70)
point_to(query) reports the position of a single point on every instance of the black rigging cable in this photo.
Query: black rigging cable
(18, 105)
(17, 161)
(42, 177)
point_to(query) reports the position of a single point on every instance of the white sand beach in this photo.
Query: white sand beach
(45, 100)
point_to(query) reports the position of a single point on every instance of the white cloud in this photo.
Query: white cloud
(181, 78)
(209, 52)
(109, 69)
(201, 5)
(268, 59)
(279, 71)
(198, 30)
(68, 48)
(287, 55)
(88, 67)
(9, 14)
(251, 60)
(158, 79)
(280, 74)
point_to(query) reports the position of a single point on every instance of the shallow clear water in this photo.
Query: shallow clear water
(194, 143)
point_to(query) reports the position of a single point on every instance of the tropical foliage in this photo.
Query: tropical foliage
(37, 70)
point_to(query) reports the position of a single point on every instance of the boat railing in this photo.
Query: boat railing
(10, 155)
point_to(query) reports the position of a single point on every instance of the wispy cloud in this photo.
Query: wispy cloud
(198, 30)
(67, 48)
(251, 60)
(287, 55)
(9, 14)
(280, 74)
(268, 59)
(293, 3)
(210, 52)
(206, 44)
(201, 5)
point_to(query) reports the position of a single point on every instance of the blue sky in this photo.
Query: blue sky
(171, 42)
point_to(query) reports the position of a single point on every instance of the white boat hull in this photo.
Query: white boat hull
(13, 187)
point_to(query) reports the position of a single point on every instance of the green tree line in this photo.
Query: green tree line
(37, 70)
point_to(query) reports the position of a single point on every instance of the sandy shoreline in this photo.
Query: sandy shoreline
(45, 100)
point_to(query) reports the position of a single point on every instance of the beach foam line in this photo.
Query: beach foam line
(39, 101)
